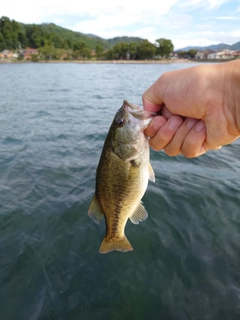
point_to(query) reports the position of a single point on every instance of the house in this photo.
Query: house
(223, 55)
(199, 55)
(6, 54)
(207, 52)
(237, 54)
(15, 55)
(28, 52)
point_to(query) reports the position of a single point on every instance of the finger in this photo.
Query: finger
(151, 99)
(175, 146)
(166, 113)
(166, 133)
(150, 106)
(155, 125)
(193, 145)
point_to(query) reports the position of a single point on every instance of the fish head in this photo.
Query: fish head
(128, 127)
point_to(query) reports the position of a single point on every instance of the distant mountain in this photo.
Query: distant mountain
(214, 47)
(126, 39)
(60, 35)
(236, 46)
(68, 35)
(64, 34)
(16, 34)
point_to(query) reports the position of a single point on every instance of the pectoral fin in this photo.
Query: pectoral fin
(151, 174)
(139, 215)
(94, 210)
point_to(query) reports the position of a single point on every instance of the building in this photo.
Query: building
(15, 55)
(199, 55)
(223, 55)
(6, 54)
(237, 54)
(28, 52)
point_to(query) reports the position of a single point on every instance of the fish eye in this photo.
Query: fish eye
(120, 121)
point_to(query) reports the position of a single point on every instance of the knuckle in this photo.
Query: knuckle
(172, 152)
(155, 145)
(161, 139)
(189, 153)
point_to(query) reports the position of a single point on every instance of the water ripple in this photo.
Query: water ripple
(186, 254)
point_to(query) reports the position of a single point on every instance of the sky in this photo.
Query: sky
(185, 22)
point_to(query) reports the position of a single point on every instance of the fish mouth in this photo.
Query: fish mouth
(138, 115)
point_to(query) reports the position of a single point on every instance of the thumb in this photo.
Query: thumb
(150, 103)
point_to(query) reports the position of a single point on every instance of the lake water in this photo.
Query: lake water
(186, 258)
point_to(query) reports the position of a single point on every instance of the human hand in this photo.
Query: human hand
(199, 109)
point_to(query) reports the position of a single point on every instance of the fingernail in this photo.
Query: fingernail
(191, 123)
(200, 126)
(174, 123)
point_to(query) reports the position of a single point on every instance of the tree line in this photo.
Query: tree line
(54, 42)
(140, 50)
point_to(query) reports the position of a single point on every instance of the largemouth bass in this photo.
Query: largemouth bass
(122, 176)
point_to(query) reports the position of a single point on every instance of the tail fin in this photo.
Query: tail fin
(121, 244)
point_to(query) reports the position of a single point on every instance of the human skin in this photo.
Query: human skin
(198, 107)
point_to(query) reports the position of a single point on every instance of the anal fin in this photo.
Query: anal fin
(139, 215)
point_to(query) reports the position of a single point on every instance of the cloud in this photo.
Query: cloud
(171, 19)
(207, 4)
(28, 10)
(205, 38)
(124, 18)
(227, 18)
(216, 3)
(235, 33)
(105, 18)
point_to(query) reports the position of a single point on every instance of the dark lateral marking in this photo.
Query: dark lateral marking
(115, 223)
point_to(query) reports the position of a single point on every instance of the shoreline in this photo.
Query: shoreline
(103, 61)
(164, 61)
(121, 61)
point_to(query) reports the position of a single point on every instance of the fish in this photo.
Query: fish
(122, 176)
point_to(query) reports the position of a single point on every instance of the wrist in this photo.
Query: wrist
(229, 81)
(235, 88)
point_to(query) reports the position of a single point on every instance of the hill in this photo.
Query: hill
(91, 40)
(214, 47)
(15, 34)
(236, 46)
(112, 42)
(66, 34)
(37, 34)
